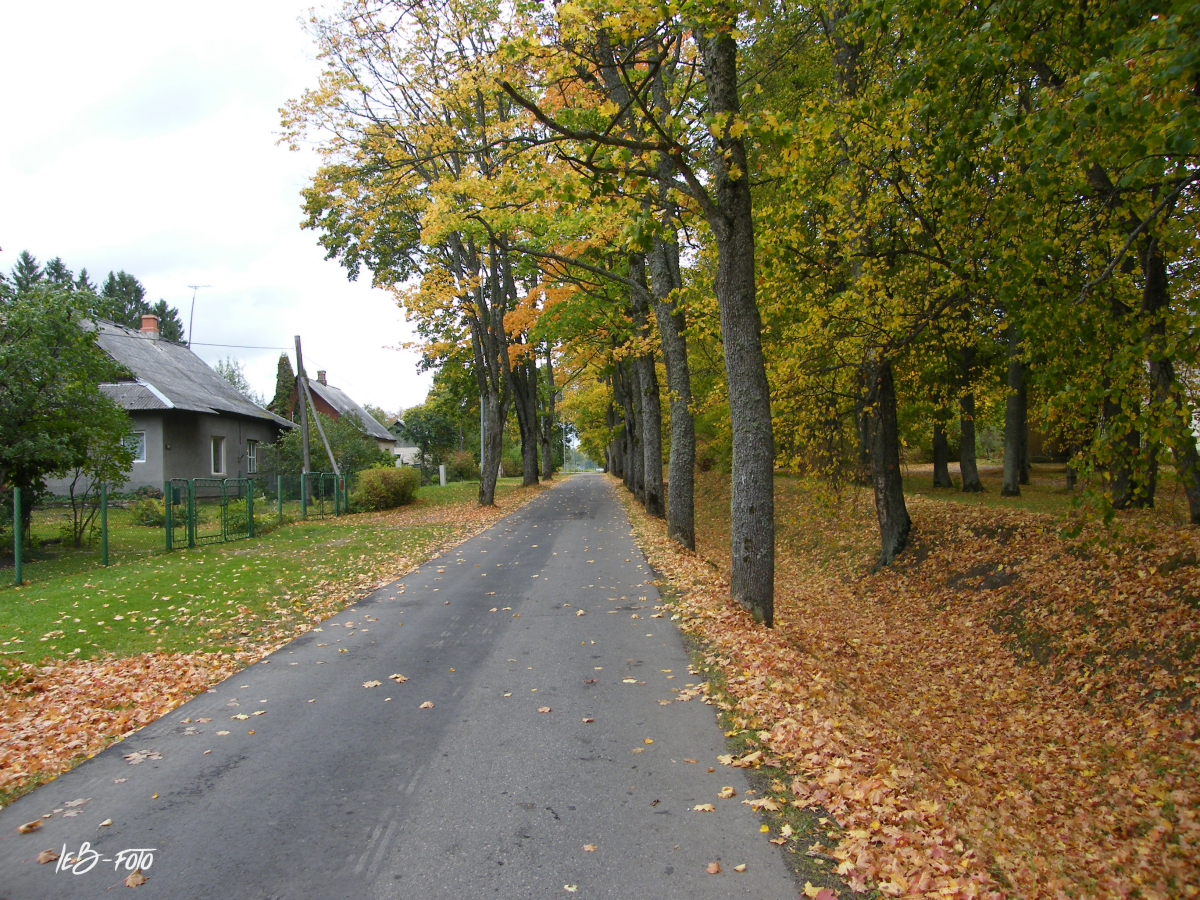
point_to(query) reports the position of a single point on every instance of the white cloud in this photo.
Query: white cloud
(142, 136)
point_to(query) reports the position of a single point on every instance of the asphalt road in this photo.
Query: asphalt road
(330, 789)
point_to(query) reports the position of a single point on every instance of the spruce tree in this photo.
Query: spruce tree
(26, 273)
(285, 383)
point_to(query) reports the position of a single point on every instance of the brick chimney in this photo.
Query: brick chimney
(150, 326)
(321, 376)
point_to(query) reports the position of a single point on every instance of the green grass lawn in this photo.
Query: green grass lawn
(210, 597)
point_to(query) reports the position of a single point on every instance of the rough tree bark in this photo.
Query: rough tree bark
(894, 522)
(681, 467)
(1014, 416)
(1166, 396)
(941, 456)
(548, 420)
(752, 509)
(650, 404)
(966, 449)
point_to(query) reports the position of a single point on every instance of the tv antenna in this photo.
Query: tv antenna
(192, 316)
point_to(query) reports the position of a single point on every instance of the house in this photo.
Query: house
(335, 403)
(188, 421)
(405, 453)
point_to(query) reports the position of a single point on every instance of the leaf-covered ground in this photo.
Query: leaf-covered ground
(1004, 712)
(160, 630)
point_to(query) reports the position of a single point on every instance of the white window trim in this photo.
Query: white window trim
(251, 457)
(143, 436)
(212, 447)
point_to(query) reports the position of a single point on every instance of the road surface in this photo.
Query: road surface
(329, 789)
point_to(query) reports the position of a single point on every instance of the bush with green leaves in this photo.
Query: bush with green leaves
(148, 512)
(461, 466)
(385, 488)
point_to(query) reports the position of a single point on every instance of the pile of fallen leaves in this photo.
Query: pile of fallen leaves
(1004, 712)
(54, 714)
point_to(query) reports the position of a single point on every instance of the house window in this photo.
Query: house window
(135, 442)
(218, 456)
(251, 457)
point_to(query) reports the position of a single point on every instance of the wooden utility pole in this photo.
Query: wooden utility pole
(302, 396)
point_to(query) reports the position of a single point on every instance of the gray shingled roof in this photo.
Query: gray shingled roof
(339, 400)
(169, 376)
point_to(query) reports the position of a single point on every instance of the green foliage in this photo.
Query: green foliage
(461, 465)
(431, 430)
(385, 488)
(352, 447)
(148, 512)
(285, 386)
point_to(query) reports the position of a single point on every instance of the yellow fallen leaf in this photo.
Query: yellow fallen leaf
(726, 792)
(587, 848)
(240, 716)
(778, 841)
(136, 879)
(741, 868)
(251, 731)
(222, 732)
(714, 868)
(543, 709)
(29, 826)
(628, 681)
(366, 684)
(426, 705)
(105, 823)
(765, 829)
(810, 890)
(647, 740)
(155, 797)
(725, 759)
(704, 807)
(588, 721)
(47, 856)
(398, 678)
(259, 712)
(580, 612)
(570, 888)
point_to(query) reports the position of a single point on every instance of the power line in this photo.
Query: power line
(238, 346)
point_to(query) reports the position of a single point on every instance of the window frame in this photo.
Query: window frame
(142, 442)
(252, 457)
(217, 447)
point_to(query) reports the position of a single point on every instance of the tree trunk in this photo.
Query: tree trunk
(649, 402)
(635, 459)
(548, 420)
(615, 458)
(966, 450)
(941, 456)
(752, 509)
(524, 391)
(1170, 404)
(493, 435)
(894, 522)
(1014, 416)
(681, 467)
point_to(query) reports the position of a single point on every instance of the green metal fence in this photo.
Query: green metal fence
(203, 511)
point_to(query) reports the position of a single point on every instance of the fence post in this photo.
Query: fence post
(337, 500)
(279, 497)
(191, 513)
(17, 535)
(250, 508)
(303, 496)
(168, 498)
(104, 524)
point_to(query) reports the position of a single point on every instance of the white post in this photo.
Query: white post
(442, 475)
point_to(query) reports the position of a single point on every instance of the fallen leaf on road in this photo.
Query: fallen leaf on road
(138, 755)
(105, 823)
(664, 702)
(589, 848)
(47, 856)
(726, 792)
(778, 841)
(762, 803)
(725, 759)
(647, 740)
(29, 826)
(240, 716)
(714, 868)
(372, 683)
(426, 705)
(251, 731)
(704, 807)
(628, 681)
(570, 888)
(588, 721)
(686, 760)
(741, 868)
(656, 616)
(203, 721)
(398, 678)
(81, 800)
(222, 732)
(136, 879)
(259, 712)
(543, 709)
(120, 780)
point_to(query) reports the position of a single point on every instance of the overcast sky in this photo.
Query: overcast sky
(142, 136)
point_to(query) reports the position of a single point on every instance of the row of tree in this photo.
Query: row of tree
(828, 230)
